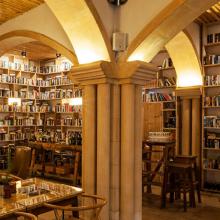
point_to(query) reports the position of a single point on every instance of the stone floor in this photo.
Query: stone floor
(209, 209)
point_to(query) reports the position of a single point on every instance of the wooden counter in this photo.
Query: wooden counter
(49, 168)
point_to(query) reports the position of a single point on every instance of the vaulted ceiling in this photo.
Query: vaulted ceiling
(12, 8)
(210, 16)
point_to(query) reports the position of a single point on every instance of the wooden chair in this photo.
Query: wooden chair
(21, 162)
(27, 216)
(98, 204)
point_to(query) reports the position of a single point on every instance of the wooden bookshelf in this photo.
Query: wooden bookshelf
(210, 109)
(36, 90)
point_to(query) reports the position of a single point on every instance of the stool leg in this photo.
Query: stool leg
(192, 191)
(197, 178)
(184, 194)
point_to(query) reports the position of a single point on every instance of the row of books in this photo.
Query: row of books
(167, 82)
(35, 94)
(211, 164)
(69, 121)
(212, 121)
(18, 66)
(56, 94)
(213, 38)
(211, 59)
(55, 81)
(29, 107)
(211, 141)
(212, 80)
(212, 101)
(32, 121)
(65, 66)
(167, 62)
(156, 97)
(11, 78)
(12, 136)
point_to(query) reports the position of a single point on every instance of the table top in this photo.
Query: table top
(32, 193)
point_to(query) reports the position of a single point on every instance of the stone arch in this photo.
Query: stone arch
(170, 21)
(42, 38)
(185, 60)
(84, 29)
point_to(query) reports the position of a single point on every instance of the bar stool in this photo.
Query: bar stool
(191, 160)
(180, 180)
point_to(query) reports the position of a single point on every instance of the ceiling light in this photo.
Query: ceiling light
(58, 55)
(23, 53)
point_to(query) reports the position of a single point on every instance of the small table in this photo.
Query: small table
(33, 193)
(167, 153)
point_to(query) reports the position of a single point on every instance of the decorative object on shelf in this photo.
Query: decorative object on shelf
(160, 136)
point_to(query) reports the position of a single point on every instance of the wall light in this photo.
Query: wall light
(14, 101)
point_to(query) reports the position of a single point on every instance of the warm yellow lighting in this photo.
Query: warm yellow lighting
(14, 101)
(72, 101)
(185, 61)
(84, 33)
(189, 78)
(136, 56)
(87, 56)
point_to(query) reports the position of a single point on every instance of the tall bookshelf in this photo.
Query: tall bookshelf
(37, 97)
(211, 110)
(160, 109)
(161, 93)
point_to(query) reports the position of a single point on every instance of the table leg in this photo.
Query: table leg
(149, 178)
(75, 204)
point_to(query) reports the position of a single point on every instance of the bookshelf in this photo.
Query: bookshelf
(160, 108)
(211, 115)
(37, 98)
(162, 92)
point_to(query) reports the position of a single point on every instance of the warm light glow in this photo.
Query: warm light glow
(189, 78)
(136, 56)
(185, 61)
(84, 33)
(87, 56)
(14, 101)
(72, 101)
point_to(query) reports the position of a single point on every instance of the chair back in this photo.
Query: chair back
(27, 216)
(21, 162)
(97, 204)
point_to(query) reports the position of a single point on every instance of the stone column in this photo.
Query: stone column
(103, 145)
(127, 152)
(115, 153)
(112, 134)
(196, 127)
(186, 126)
(191, 120)
(89, 140)
(138, 153)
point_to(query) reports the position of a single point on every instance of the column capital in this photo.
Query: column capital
(135, 72)
(189, 92)
(94, 73)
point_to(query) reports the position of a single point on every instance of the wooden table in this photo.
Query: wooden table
(167, 152)
(44, 191)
